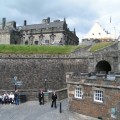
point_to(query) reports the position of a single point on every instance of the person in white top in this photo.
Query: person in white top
(0, 99)
(6, 98)
(11, 97)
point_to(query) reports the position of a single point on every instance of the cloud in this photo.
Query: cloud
(79, 14)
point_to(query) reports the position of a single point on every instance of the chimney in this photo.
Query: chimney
(25, 22)
(46, 21)
(14, 24)
(3, 23)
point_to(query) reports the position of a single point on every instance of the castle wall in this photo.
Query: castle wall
(33, 70)
(57, 38)
(4, 38)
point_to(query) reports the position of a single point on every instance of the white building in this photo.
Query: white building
(98, 34)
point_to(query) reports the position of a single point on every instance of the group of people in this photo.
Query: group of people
(12, 98)
(53, 97)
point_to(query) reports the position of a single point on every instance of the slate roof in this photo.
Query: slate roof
(44, 25)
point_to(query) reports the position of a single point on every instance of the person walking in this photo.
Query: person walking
(54, 98)
(16, 96)
(41, 97)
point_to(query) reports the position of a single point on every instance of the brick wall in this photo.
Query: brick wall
(89, 107)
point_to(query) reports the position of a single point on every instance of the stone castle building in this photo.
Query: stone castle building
(95, 90)
(46, 33)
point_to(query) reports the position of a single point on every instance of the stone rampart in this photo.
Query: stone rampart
(32, 70)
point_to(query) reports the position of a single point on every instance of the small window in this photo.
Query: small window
(115, 59)
(98, 96)
(26, 42)
(78, 93)
(36, 42)
(46, 41)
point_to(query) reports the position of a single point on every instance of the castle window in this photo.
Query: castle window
(46, 41)
(115, 59)
(52, 37)
(26, 42)
(15, 42)
(78, 93)
(36, 42)
(43, 29)
(26, 32)
(98, 96)
(92, 33)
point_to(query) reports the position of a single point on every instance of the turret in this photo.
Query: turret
(65, 25)
(74, 31)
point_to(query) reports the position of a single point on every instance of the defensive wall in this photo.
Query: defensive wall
(39, 71)
(33, 70)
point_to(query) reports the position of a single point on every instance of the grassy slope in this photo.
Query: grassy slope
(34, 49)
(99, 46)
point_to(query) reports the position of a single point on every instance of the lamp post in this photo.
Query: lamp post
(45, 85)
(15, 81)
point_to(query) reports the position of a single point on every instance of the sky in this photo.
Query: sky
(79, 14)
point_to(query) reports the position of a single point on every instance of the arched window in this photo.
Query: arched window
(52, 38)
(26, 42)
(36, 42)
(41, 39)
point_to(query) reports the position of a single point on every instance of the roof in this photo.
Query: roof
(97, 32)
(44, 25)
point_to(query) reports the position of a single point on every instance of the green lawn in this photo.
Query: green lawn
(34, 49)
(99, 46)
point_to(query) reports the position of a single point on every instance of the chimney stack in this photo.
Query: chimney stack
(3, 23)
(25, 22)
(46, 21)
(14, 24)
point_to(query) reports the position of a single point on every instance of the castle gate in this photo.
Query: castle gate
(103, 66)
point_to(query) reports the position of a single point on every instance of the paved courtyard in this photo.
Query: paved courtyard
(31, 110)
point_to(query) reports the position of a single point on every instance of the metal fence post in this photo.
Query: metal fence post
(60, 107)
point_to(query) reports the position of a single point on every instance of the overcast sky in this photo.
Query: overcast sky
(79, 14)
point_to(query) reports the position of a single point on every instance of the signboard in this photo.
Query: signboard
(18, 83)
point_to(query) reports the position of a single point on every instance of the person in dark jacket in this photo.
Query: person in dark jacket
(54, 98)
(16, 97)
(41, 97)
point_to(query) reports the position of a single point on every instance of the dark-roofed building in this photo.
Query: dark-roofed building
(46, 33)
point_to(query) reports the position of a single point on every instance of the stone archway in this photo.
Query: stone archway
(103, 66)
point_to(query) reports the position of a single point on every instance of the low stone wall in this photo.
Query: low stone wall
(62, 93)
(32, 94)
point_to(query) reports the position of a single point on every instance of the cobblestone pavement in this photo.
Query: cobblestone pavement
(33, 111)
